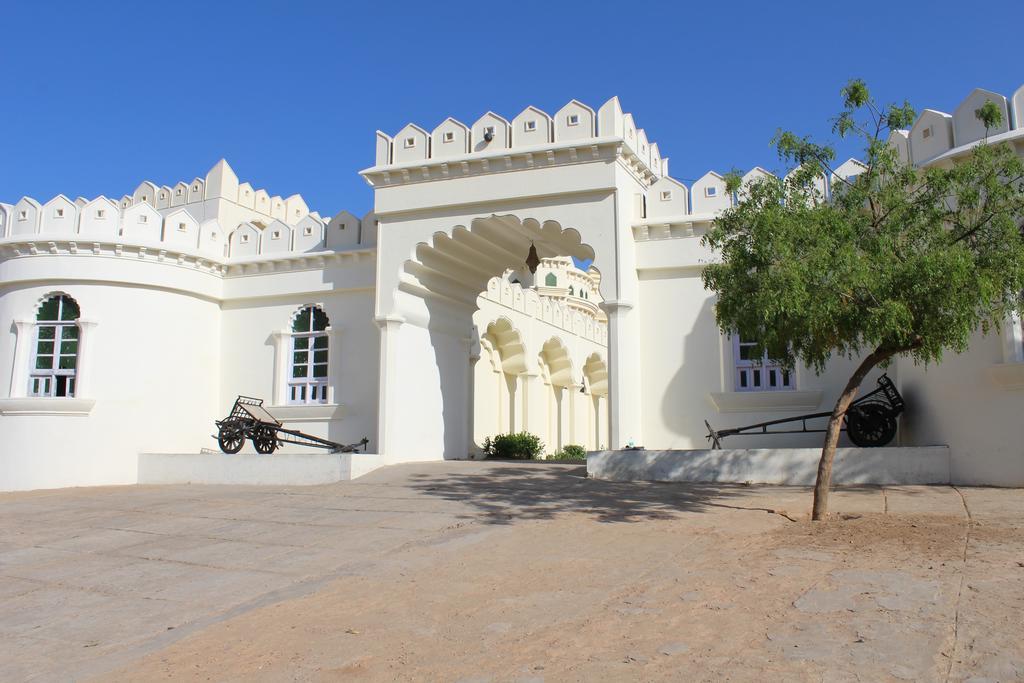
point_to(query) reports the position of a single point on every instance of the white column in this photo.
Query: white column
(281, 339)
(84, 365)
(624, 396)
(22, 355)
(387, 415)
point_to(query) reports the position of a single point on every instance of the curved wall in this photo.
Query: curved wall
(149, 362)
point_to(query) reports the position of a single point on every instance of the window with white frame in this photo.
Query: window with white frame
(54, 367)
(307, 379)
(758, 373)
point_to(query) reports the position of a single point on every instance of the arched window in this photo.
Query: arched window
(307, 381)
(551, 280)
(55, 348)
(571, 290)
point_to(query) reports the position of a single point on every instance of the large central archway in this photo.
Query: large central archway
(429, 342)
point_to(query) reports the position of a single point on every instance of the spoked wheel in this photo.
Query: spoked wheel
(265, 441)
(870, 425)
(230, 440)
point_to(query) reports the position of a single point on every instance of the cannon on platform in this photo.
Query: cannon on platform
(250, 420)
(870, 421)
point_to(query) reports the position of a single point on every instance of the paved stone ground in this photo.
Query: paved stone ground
(510, 571)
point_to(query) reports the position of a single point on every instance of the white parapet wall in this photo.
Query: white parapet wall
(280, 469)
(790, 466)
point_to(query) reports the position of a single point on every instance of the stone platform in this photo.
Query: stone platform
(790, 466)
(279, 469)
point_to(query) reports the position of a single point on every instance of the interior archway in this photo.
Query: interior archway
(436, 342)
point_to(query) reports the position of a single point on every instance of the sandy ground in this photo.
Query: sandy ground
(526, 572)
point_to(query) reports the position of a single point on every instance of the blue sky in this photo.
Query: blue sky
(100, 96)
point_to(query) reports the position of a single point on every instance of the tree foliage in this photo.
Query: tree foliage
(897, 260)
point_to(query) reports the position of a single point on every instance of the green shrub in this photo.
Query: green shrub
(570, 452)
(521, 446)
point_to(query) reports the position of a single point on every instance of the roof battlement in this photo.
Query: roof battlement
(531, 131)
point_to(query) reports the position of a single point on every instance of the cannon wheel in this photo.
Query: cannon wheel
(265, 441)
(870, 425)
(230, 439)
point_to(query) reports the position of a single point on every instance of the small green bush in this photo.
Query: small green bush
(570, 452)
(521, 446)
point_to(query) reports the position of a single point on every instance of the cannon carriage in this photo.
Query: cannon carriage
(250, 420)
(870, 421)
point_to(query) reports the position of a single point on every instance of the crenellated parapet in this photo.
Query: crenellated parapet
(210, 226)
(532, 138)
(668, 209)
(220, 191)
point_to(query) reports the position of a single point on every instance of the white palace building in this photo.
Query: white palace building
(129, 325)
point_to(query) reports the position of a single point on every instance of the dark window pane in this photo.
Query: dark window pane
(299, 371)
(44, 363)
(301, 357)
(44, 348)
(301, 321)
(743, 380)
(302, 342)
(320, 321)
(67, 362)
(62, 387)
(68, 309)
(319, 342)
(320, 356)
(757, 379)
(47, 332)
(68, 347)
(48, 311)
(70, 332)
(71, 386)
(771, 378)
(320, 370)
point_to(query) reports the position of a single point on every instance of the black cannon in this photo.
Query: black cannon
(250, 420)
(870, 421)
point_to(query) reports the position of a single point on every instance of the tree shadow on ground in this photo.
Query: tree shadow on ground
(506, 492)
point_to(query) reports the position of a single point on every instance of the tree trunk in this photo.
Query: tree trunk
(835, 423)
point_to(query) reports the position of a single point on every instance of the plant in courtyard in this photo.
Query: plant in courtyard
(519, 446)
(899, 261)
(569, 452)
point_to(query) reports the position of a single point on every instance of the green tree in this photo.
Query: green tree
(899, 260)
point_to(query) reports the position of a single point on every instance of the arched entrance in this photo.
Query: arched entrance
(429, 342)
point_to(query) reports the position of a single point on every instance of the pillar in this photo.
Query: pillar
(624, 358)
(387, 413)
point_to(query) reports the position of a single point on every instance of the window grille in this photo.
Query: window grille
(54, 367)
(758, 373)
(307, 381)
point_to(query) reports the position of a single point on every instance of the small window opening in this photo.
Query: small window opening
(710, 191)
(101, 214)
(449, 136)
(530, 125)
(182, 227)
(60, 213)
(926, 133)
(410, 142)
(573, 120)
(178, 192)
(245, 239)
(666, 195)
(276, 235)
(22, 215)
(143, 218)
(307, 231)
